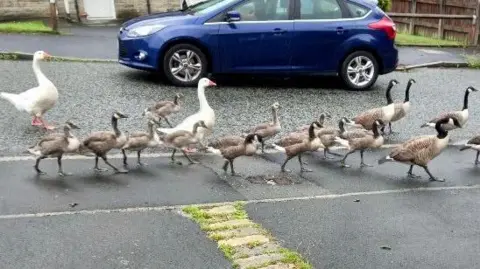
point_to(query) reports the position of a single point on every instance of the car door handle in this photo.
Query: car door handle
(279, 31)
(340, 30)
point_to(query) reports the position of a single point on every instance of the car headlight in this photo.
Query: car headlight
(144, 30)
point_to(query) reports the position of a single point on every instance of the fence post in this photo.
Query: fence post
(440, 21)
(53, 15)
(413, 9)
(476, 24)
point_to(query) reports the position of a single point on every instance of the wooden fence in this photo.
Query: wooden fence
(445, 19)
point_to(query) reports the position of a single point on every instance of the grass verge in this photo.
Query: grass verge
(26, 27)
(205, 218)
(416, 40)
(473, 61)
(20, 56)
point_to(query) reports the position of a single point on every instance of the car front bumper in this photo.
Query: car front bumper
(137, 52)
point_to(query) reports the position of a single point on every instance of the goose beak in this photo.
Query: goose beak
(211, 83)
(47, 56)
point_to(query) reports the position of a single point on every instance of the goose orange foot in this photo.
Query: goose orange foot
(36, 122)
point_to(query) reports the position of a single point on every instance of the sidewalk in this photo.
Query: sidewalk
(99, 42)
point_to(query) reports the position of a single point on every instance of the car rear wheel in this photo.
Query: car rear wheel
(359, 70)
(184, 65)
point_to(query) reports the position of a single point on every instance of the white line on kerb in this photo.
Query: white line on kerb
(274, 200)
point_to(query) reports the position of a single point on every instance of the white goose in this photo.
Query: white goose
(205, 114)
(36, 101)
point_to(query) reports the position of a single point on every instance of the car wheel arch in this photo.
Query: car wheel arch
(362, 48)
(190, 41)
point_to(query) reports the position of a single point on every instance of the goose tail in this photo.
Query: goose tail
(342, 142)
(385, 159)
(277, 147)
(14, 99)
(428, 124)
(34, 150)
(464, 147)
(214, 150)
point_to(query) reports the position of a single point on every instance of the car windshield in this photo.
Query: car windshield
(206, 6)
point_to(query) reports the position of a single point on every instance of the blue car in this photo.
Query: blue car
(353, 39)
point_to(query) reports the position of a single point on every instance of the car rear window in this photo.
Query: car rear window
(356, 9)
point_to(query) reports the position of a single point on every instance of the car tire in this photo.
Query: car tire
(365, 57)
(181, 48)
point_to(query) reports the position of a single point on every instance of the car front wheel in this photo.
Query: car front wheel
(184, 65)
(359, 70)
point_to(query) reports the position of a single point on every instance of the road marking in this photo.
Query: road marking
(144, 155)
(258, 201)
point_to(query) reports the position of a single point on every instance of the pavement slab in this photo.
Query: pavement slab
(438, 229)
(89, 93)
(117, 240)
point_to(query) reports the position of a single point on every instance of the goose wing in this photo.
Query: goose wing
(291, 139)
(137, 139)
(419, 148)
(450, 114)
(474, 140)
(361, 142)
(367, 118)
(226, 141)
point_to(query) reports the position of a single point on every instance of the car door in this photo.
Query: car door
(260, 41)
(319, 29)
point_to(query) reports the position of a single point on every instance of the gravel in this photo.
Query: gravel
(90, 92)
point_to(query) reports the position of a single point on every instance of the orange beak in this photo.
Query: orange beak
(211, 83)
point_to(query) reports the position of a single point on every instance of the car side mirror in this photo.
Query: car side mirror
(232, 16)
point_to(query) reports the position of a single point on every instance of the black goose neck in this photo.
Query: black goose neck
(407, 92)
(341, 126)
(375, 130)
(389, 94)
(115, 125)
(311, 132)
(441, 133)
(175, 100)
(465, 99)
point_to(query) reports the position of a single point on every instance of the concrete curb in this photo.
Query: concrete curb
(22, 56)
(445, 64)
(435, 46)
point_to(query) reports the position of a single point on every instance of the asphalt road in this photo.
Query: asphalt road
(89, 93)
(424, 228)
(117, 240)
(419, 229)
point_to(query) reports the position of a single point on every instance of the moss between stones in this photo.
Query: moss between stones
(204, 219)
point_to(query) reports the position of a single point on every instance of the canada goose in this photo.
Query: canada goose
(362, 143)
(139, 141)
(181, 139)
(312, 143)
(473, 143)
(354, 133)
(461, 116)
(268, 130)
(55, 145)
(321, 120)
(230, 152)
(421, 150)
(401, 109)
(162, 109)
(384, 113)
(100, 143)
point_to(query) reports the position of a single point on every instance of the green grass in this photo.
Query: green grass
(32, 27)
(293, 257)
(416, 40)
(473, 61)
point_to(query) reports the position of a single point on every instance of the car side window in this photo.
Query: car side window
(263, 10)
(320, 9)
(356, 10)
